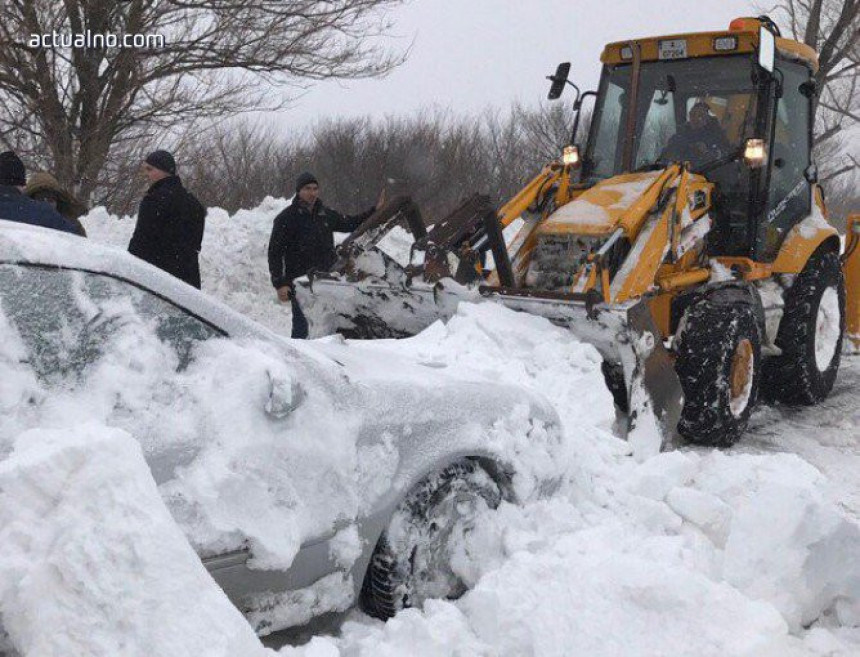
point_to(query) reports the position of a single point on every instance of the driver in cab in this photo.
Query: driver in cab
(699, 141)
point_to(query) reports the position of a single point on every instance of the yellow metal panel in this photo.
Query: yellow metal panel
(528, 194)
(683, 279)
(800, 244)
(798, 50)
(641, 278)
(597, 211)
(661, 310)
(701, 44)
(851, 269)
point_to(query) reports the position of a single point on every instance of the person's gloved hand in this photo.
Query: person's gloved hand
(284, 293)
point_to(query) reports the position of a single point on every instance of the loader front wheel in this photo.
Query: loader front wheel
(810, 335)
(718, 364)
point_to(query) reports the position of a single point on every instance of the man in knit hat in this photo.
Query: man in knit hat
(302, 241)
(42, 186)
(170, 222)
(15, 206)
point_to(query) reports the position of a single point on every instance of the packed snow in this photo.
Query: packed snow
(93, 564)
(749, 551)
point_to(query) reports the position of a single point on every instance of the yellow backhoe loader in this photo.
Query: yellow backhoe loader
(687, 239)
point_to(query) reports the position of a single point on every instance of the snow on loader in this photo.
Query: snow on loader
(702, 268)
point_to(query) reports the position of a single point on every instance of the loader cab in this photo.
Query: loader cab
(649, 111)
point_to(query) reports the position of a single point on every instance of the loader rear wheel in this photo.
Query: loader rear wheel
(718, 364)
(412, 561)
(810, 335)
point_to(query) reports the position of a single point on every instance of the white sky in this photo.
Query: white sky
(469, 55)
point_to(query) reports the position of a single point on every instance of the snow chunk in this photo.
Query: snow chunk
(92, 561)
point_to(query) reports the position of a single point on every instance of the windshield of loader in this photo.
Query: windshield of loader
(698, 110)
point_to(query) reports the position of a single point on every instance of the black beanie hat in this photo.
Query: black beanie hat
(12, 170)
(306, 178)
(162, 160)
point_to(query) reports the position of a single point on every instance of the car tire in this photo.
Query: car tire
(810, 335)
(411, 561)
(718, 361)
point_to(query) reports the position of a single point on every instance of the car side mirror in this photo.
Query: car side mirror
(285, 395)
(766, 49)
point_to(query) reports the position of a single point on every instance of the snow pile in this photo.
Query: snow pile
(488, 342)
(691, 552)
(222, 462)
(94, 565)
(727, 554)
(233, 259)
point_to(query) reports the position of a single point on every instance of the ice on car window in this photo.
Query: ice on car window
(67, 319)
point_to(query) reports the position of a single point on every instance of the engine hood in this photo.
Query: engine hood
(600, 209)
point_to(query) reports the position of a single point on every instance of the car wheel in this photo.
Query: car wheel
(718, 363)
(810, 335)
(412, 561)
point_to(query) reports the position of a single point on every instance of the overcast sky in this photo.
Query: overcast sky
(471, 54)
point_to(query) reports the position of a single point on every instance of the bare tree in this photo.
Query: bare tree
(70, 106)
(832, 29)
(436, 157)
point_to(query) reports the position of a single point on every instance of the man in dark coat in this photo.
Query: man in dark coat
(699, 141)
(15, 206)
(170, 222)
(302, 240)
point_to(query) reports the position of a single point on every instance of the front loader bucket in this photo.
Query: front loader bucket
(375, 308)
(625, 335)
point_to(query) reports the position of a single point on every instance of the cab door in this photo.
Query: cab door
(789, 197)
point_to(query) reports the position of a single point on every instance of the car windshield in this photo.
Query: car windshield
(697, 110)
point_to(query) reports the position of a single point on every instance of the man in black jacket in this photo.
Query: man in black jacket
(15, 206)
(170, 222)
(302, 240)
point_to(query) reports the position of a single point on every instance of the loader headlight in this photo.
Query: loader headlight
(754, 153)
(570, 156)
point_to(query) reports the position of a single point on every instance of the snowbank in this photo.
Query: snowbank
(94, 565)
(233, 259)
(691, 552)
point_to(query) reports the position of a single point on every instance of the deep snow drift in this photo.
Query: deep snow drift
(750, 551)
(93, 564)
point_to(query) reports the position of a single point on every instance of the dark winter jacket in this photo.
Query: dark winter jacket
(697, 146)
(15, 206)
(169, 230)
(302, 239)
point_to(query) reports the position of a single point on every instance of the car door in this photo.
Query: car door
(98, 346)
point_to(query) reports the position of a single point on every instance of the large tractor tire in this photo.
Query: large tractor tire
(810, 335)
(412, 559)
(718, 363)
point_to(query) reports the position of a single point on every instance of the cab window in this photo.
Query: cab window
(789, 198)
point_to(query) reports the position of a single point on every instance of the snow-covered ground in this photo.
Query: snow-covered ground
(750, 551)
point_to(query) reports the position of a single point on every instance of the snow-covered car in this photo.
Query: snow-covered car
(306, 475)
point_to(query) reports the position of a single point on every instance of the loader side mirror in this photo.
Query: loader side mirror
(766, 49)
(558, 80)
